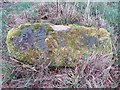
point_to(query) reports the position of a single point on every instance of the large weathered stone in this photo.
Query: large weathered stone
(65, 45)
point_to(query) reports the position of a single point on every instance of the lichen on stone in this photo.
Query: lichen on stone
(48, 27)
(103, 33)
(24, 25)
(77, 42)
(36, 26)
(23, 42)
(11, 34)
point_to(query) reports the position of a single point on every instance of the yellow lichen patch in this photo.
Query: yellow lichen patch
(103, 32)
(10, 48)
(92, 31)
(36, 26)
(74, 27)
(65, 56)
(24, 25)
(84, 30)
(13, 32)
(49, 28)
(53, 34)
(29, 56)
(51, 43)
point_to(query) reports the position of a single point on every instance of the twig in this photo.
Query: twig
(23, 65)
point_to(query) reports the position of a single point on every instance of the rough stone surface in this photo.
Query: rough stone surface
(65, 45)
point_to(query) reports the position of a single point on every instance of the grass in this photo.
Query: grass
(93, 71)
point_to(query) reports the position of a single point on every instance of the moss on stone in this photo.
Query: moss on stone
(36, 26)
(103, 33)
(53, 34)
(26, 56)
(11, 34)
(75, 48)
(51, 43)
(49, 28)
(24, 25)
(30, 56)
